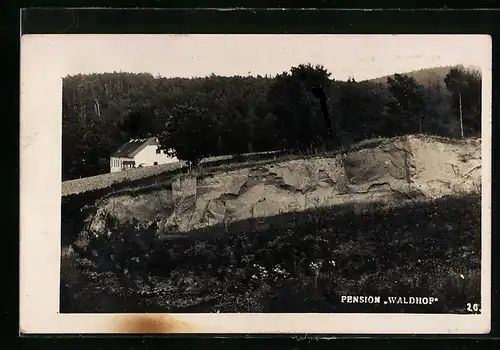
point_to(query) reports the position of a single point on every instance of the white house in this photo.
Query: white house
(139, 153)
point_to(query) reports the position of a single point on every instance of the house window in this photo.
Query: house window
(155, 163)
(127, 164)
(158, 150)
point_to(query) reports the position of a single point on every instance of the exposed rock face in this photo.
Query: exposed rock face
(442, 168)
(406, 165)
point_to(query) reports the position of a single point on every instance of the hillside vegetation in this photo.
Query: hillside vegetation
(426, 76)
(303, 109)
(417, 248)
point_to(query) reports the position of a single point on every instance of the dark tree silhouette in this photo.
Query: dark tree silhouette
(319, 93)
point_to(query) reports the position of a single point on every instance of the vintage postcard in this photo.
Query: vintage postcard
(319, 184)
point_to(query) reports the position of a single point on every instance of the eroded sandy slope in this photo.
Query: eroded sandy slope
(404, 166)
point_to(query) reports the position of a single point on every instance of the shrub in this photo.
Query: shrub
(307, 263)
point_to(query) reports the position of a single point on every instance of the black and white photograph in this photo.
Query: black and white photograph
(267, 174)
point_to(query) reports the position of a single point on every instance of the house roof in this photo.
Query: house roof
(134, 146)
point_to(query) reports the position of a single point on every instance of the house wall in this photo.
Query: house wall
(115, 163)
(148, 156)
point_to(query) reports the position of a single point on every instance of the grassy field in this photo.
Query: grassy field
(298, 262)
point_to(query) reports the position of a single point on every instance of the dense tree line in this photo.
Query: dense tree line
(301, 109)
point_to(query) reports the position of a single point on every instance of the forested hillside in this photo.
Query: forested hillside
(426, 76)
(302, 109)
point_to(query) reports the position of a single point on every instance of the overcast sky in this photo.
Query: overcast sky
(358, 56)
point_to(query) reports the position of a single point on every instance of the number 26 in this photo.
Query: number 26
(472, 307)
